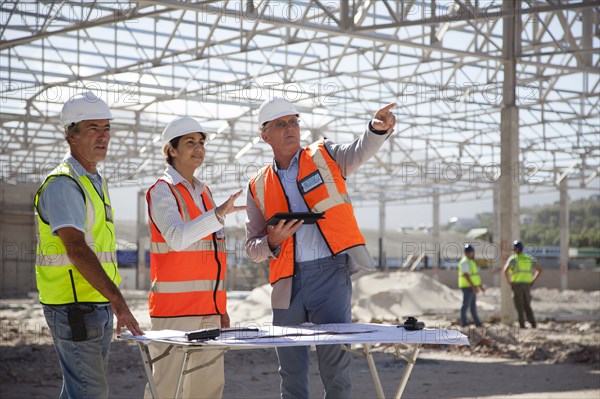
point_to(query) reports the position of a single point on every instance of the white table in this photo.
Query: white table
(305, 335)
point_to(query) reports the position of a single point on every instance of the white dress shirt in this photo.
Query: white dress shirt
(164, 212)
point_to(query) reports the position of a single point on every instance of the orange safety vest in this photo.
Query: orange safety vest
(190, 282)
(323, 188)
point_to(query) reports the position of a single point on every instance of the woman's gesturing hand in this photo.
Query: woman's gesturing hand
(228, 206)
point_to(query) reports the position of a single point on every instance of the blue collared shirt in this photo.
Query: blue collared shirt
(310, 244)
(62, 204)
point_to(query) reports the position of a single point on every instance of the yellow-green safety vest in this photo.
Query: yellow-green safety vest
(473, 273)
(58, 280)
(521, 268)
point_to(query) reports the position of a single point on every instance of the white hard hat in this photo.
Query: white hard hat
(84, 107)
(181, 126)
(275, 108)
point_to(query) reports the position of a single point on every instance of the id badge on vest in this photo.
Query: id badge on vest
(310, 182)
(108, 213)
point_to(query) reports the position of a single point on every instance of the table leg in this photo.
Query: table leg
(410, 362)
(147, 360)
(186, 358)
(374, 374)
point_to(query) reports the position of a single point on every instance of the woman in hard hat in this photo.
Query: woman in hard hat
(187, 260)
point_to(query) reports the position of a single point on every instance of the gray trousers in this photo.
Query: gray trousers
(321, 293)
(522, 299)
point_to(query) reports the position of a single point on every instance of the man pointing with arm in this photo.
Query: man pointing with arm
(310, 265)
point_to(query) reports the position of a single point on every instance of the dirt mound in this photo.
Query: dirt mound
(393, 296)
(553, 342)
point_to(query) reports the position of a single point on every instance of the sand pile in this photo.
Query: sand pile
(255, 308)
(393, 296)
(382, 297)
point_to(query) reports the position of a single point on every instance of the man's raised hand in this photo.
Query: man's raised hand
(384, 120)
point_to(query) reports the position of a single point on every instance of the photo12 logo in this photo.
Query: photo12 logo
(113, 93)
(252, 92)
(70, 13)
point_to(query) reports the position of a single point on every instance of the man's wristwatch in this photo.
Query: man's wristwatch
(275, 252)
(373, 130)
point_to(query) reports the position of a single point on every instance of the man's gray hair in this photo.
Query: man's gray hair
(71, 130)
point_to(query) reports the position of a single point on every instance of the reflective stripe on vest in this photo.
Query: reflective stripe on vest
(521, 268)
(63, 259)
(473, 274)
(189, 282)
(202, 245)
(52, 262)
(334, 197)
(171, 287)
(326, 192)
(259, 182)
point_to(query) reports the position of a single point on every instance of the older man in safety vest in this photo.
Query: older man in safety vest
(310, 264)
(76, 262)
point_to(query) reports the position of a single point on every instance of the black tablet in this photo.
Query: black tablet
(308, 217)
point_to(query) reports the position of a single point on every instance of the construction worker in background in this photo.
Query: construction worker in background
(76, 260)
(469, 282)
(187, 261)
(518, 271)
(310, 264)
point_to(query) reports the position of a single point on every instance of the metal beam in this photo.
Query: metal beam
(564, 234)
(509, 152)
(479, 14)
(119, 16)
(355, 34)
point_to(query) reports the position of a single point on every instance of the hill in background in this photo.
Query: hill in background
(540, 225)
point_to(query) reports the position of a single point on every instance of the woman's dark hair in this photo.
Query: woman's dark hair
(173, 143)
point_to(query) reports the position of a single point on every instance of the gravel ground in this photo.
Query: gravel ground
(560, 359)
